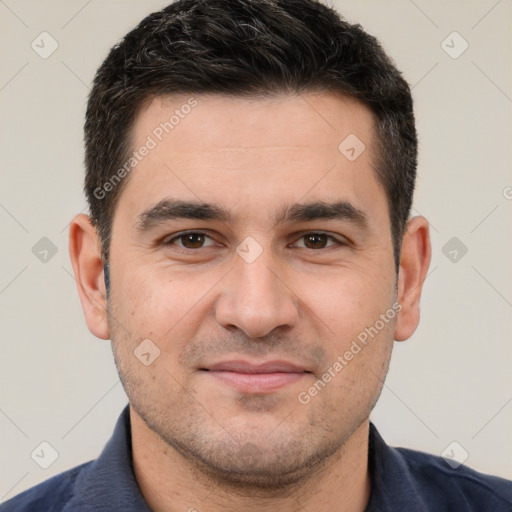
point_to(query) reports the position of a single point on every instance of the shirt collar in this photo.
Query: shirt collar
(109, 483)
(392, 484)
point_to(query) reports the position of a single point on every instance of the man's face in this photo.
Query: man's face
(291, 261)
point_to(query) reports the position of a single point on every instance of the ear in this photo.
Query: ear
(414, 263)
(85, 253)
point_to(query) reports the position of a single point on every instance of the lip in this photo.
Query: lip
(243, 366)
(256, 377)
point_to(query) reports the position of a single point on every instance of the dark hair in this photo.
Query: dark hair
(246, 48)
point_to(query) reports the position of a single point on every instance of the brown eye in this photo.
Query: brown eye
(318, 241)
(315, 240)
(191, 240)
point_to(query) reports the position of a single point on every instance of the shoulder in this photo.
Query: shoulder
(460, 488)
(411, 480)
(52, 495)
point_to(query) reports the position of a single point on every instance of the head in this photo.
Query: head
(250, 172)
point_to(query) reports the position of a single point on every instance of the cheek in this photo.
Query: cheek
(348, 302)
(163, 304)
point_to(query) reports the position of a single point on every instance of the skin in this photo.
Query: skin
(198, 442)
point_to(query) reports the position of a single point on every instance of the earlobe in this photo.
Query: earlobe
(85, 254)
(414, 263)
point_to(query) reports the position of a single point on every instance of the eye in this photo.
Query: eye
(191, 240)
(318, 241)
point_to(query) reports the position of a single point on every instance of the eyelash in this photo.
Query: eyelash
(170, 241)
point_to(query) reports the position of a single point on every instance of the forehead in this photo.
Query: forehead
(264, 152)
(226, 122)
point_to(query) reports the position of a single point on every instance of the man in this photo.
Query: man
(250, 172)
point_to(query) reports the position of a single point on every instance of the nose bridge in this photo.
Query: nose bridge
(258, 284)
(254, 298)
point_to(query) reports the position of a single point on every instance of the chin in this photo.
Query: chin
(258, 465)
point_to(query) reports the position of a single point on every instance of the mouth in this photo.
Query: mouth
(256, 378)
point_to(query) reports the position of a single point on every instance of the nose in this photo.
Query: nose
(255, 298)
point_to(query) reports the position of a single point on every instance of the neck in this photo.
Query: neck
(170, 482)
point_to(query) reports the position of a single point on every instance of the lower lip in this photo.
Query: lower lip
(257, 382)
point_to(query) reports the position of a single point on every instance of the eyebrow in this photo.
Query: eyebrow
(169, 209)
(340, 210)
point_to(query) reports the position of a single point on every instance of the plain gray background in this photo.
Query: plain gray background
(450, 383)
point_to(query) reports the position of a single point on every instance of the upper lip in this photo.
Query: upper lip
(241, 366)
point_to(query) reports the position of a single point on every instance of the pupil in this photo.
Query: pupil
(316, 241)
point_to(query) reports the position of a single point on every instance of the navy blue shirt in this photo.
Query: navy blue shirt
(402, 480)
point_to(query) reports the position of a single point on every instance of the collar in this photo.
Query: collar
(393, 486)
(108, 483)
